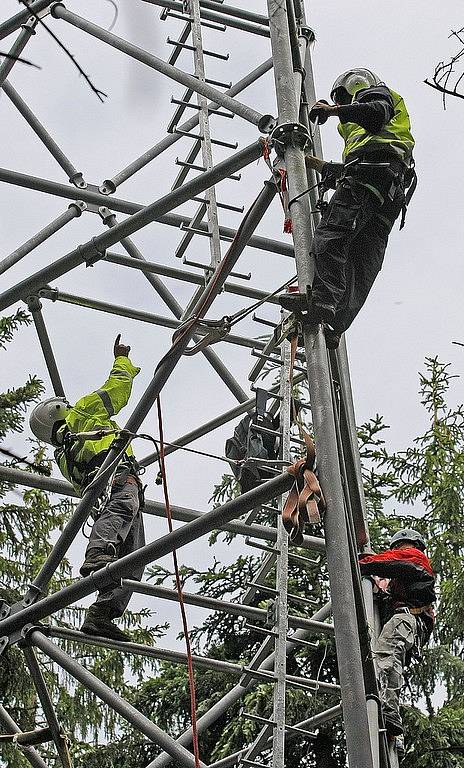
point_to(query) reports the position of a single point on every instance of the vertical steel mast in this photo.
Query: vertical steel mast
(281, 629)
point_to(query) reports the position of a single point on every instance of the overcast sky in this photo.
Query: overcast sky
(415, 308)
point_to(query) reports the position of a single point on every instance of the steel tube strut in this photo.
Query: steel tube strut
(64, 218)
(29, 753)
(165, 294)
(72, 173)
(110, 185)
(16, 22)
(144, 317)
(16, 50)
(307, 725)
(154, 652)
(30, 480)
(35, 308)
(143, 556)
(204, 429)
(230, 21)
(60, 739)
(106, 694)
(222, 9)
(59, 11)
(176, 657)
(234, 609)
(94, 249)
(351, 445)
(185, 276)
(338, 558)
(235, 694)
(124, 206)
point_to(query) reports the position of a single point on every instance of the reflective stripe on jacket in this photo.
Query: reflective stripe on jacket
(79, 459)
(396, 134)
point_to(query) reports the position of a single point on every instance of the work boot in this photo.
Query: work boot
(399, 747)
(97, 622)
(301, 304)
(96, 559)
(393, 725)
(332, 338)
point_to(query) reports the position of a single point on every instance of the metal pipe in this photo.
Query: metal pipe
(229, 21)
(59, 11)
(29, 753)
(147, 554)
(64, 218)
(153, 652)
(35, 308)
(16, 49)
(60, 739)
(307, 725)
(186, 276)
(235, 694)
(117, 703)
(145, 317)
(16, 22)
(221, 10)
(123, 206)
(94, 249)
(342, 368)
(110, 185)
(338, 559)
(234, 609)
(72, 173)
(31, 480)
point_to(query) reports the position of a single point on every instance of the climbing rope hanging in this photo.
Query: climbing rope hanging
(191, 676)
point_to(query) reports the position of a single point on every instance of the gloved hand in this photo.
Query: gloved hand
(315, 163)
(120, 350)
(321, 111)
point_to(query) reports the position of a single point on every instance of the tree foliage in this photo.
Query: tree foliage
(420, 486)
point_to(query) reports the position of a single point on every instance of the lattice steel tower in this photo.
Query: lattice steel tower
(331, 407)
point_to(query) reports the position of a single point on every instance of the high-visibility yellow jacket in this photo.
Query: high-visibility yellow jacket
(79, 459)
(395, 136)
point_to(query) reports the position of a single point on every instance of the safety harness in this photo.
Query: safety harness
(305, 503)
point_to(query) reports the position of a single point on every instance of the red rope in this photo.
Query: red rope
(193, 698)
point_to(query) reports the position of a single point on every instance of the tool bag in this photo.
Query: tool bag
(249, 443)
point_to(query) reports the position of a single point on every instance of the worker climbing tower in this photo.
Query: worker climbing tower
(296, 349)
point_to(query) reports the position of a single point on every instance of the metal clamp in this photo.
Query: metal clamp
(291, 135)
(220, 330)
(95, 255)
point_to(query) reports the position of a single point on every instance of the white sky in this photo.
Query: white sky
(415, 308)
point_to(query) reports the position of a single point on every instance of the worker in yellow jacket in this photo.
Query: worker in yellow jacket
(370, 192)
(118, 523)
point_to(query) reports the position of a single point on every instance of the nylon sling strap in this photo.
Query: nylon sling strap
(305, 503)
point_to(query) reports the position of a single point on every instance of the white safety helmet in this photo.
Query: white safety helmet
(355, 80)
(46, 416)
(408, 535)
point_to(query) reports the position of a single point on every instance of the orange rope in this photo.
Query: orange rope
(193, 701)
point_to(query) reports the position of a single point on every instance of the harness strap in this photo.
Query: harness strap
(305, 503)
(407, 198)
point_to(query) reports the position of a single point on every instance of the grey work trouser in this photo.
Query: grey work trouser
(119, 528)
(396, 638)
